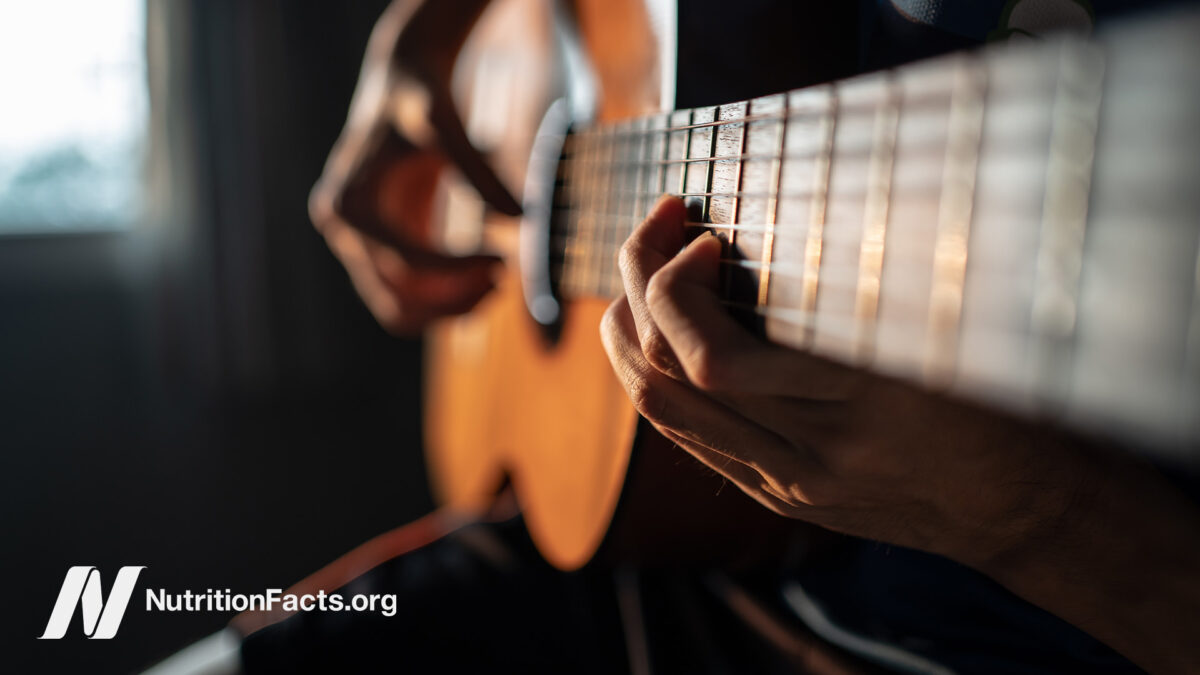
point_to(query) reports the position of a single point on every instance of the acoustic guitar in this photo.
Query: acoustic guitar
(1017, 225)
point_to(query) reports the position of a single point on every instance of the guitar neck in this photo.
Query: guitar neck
(1018, 225)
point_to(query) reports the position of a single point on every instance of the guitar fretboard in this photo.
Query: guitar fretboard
(1018, 224)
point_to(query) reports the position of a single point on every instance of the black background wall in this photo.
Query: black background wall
(210, 400)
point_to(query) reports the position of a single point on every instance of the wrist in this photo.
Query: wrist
(1119, 561)
(1050, 522)
(1034, 492)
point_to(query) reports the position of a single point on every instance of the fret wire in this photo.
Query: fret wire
(639, 206)
(627, 213)
(709, 169)
(816, 227)
(619, 199)
(612, 203)
(875, 218)
(666, 152)
(647, 173)
(612, 206)
(772, 215)
(687, 150)
(629, 217)
(603, 208)
(627, 208)
(737, 181)
(1074, 122)
(639, 180)
(951, 242)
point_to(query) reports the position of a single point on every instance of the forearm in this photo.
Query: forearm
(1123, 564)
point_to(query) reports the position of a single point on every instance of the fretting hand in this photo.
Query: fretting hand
(808, 438)
(1059, 523)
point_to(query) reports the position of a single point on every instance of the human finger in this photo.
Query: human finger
(651, 245)
(688, 413)
(403, 299)
(717, 353)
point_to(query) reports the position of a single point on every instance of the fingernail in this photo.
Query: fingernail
(704, 237)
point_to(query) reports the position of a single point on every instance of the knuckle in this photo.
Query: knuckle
(395, 328)
(646, 398)
(812, 490)
(609, 329)
(628, 256)
(658, 352)
(393, 321)
(321, 207)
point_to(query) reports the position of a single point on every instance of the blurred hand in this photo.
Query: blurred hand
(808, 438)
(373, 200)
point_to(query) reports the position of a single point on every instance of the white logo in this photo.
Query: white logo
(82, 587)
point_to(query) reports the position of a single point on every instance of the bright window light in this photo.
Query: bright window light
(73, 114)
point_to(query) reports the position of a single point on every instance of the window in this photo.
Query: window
(73, 114)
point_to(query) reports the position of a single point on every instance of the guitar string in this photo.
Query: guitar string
(845, 275)
(789, 194)
(643, 134)
(933, 145)
(833, 320)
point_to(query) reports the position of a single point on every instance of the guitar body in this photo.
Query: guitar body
(504, 404)
(553, 422)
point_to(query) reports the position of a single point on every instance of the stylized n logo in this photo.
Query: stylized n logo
(82, 586)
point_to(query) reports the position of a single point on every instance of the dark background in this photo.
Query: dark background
(203, 395)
